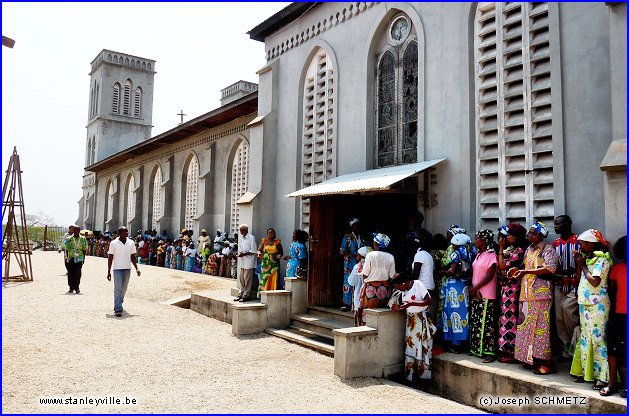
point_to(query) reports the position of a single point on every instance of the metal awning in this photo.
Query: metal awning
(369, 180)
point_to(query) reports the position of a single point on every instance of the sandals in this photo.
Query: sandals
(579, 379)
(489, 359)
(599, 385)
(507, 360)
(608, 391)
(544, 370)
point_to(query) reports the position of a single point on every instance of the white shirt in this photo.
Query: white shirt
(192, 252)
(426, 272)
(122, 253)
(247, 244)
(355, 279)
(379, 266)
(417, 293)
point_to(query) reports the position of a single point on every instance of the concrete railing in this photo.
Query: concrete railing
(374, 350)
(273, 311)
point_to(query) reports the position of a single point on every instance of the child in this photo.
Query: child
(355, 279)
(419, 331)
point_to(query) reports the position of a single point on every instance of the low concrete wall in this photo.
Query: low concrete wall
(375, 350)
(217, 309)
(490, 387)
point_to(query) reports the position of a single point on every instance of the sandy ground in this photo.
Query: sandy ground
(170, 360)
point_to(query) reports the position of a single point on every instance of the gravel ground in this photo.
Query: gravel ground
(170, 360)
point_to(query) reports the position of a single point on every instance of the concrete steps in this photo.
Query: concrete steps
(318, 324)
(305, 338)
(332, 313)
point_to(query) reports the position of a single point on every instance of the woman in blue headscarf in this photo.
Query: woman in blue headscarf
(352, 241)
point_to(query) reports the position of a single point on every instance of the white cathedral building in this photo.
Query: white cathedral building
(478, 114)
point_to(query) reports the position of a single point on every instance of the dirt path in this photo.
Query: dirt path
(170, 360)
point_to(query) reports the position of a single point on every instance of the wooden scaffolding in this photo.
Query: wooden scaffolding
(15, 239)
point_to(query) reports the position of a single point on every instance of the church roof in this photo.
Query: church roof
(224, 114)
(280, 19)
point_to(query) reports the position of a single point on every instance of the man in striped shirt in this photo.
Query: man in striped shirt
(566, 306)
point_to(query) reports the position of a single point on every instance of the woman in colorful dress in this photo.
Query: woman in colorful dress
(179, 253)
(511, 246)
(356, 279)
(234, 261)
(213, 264)
(419, 332)
(483, 298)
(532, 341)
(161, 253)
(352, 241)
(270, 251)
(297, 255)
(167, 247)
(593, 265)
(144, 251)
(190, 256)
(378, 271)
(454, 321)
(173, 254)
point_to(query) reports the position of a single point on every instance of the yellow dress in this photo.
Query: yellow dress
(270, 266)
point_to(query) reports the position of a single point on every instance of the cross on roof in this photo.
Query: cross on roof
(181, 114)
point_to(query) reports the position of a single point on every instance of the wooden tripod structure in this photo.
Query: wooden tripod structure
(15, 240)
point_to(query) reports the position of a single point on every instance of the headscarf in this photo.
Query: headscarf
(503, 231)
(455, 229)
(353, 221)
(460, 239)
(593, 236)
(382, 239)
(364, 250)
(541, 228)
(488, 237)
(516, 230)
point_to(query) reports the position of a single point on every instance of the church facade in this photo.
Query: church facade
(192, 176)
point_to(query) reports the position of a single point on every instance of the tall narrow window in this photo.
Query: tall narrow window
(137, 103)
(93, 158)
(192, 182)
(319, 117)
(239, 183)
(514, 146)
(126, 100)
(97, 98)
(130, 198)
(110, 201)
(115, 107)
(157, 197)
(397, 99)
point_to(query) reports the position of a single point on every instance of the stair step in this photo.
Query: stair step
(300, 338)
(318, 324)
(332, 313)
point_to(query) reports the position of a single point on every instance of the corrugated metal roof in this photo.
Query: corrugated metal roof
(369, 180)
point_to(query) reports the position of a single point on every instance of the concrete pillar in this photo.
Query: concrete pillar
(249, 318)
(299, 295)
(278, 312)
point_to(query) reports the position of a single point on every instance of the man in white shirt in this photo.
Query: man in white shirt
(121, 254)
(247, 258)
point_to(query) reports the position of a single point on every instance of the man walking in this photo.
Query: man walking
(247, 257)
(62, 248)
(75, 247)
(121, 254)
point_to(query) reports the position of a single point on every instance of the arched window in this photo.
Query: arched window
(91, 112)
(239, 183)
(157, 197)
(192, 182)
(512, 84)
(397, 106)
(115, 102)
(126, 98)
(130, 198)
(319, 120)
(110, 203)
(137, 103)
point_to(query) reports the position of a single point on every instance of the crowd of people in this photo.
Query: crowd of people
(504, 294)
